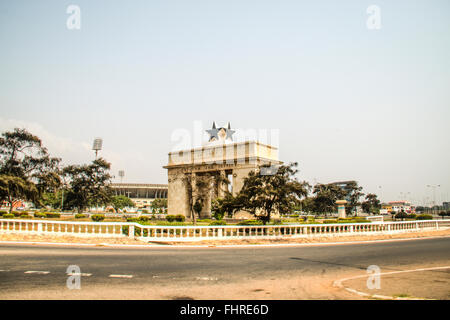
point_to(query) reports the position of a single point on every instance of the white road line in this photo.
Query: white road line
(37, 272)
(128, 276)
(206, 278)
(80, 274)
(339, 284)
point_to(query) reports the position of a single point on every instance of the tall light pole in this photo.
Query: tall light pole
(121, 175)
(381, 193)
(97, 146)
(434, 194)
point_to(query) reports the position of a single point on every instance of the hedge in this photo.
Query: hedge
(52, 215)
(218, 223)
(40, 215)
(180, 218)
(98, 217)
(80, 216)
(8, 216)
(18, 213)
(250, 223)
(424, 217)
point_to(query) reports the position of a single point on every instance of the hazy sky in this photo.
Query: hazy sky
(347, 102)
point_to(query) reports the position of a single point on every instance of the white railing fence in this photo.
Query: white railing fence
(196, 233)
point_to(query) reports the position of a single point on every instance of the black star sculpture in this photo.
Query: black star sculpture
(213, 133)
(229, 132)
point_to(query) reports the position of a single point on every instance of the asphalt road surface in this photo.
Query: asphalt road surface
(302, 272)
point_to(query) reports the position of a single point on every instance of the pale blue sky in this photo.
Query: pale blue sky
(349, 102)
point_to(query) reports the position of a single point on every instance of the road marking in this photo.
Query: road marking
(205, 278)
(80, 274)
(338, 283)
(37, 272)
(4, 270)
(128, 276)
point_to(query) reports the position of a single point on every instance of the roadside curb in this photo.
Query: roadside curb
(153, 246)
(339, 284)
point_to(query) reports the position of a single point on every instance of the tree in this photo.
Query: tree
(224, 206)
(371, 204)
(325, 198)
(89, 185)
(401, 215)
(159, 205)
(120, 202)
(262, 195)
(353, 194)
(26, 168)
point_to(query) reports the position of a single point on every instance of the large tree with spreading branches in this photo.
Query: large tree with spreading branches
(26, 168)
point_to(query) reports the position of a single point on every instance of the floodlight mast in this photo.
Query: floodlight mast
(121, 175)
(97, 146)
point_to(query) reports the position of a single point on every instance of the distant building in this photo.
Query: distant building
(446, 205)
(397, 206)
(142, 194)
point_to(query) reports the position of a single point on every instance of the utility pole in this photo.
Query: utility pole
(434, 195)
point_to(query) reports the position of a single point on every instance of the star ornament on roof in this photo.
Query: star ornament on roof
(229, 132)
(220, 134)
(213, 133)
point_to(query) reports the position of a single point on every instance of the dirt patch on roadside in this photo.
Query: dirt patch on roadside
(319, 239)
(130, 241)
(68, 239)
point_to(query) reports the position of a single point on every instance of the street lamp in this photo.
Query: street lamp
(434, 194)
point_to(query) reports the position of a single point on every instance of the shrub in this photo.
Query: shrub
(39, 215)
(412, 216)
(330, 221)
(170, 218)
(250, 223)
(3, 212)
(8, 216)
(401, 215)
(167, 223)
(143, 219)
(424, 217)
(52, 215)
(218, 223)
(98, 217)
(179, 218)
(25, 216)
(444, 213)
(17, 213)
(80, 216)
(205, 220)
(145, 211)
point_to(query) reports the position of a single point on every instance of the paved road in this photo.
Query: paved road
(168, 273)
